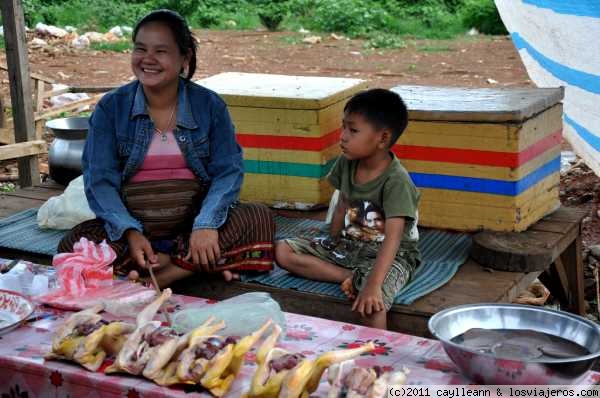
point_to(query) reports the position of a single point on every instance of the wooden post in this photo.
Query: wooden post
(20, 86)
(2, 121)
(573, 262)
(40, 87)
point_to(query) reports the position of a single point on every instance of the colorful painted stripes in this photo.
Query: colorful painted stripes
(289, 142)
(414, 152)
(431, 155)
(422, 180)
(483, 185)
(288, 168)
(478, 157)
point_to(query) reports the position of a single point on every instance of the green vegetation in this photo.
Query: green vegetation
(87, 15)
(484, 16)
(7, 187)
(383, 40)
(272, 13)
(435, 49)
(117, 46)
(293, 39)
(383, 23)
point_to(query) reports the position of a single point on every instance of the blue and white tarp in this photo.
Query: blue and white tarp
(559, 43)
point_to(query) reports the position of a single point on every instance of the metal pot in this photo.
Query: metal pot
(64, 156)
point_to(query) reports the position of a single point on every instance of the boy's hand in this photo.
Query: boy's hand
(369, 300)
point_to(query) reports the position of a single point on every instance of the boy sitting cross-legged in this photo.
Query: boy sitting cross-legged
(372, 248)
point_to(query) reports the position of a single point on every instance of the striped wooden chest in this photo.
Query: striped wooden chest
(483, 158)
(289, 129)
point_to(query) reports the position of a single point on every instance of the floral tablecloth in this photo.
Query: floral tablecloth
(24, 372)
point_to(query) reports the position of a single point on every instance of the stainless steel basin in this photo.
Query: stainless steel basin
(489, 368)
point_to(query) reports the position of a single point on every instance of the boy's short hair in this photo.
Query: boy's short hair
(383, 108)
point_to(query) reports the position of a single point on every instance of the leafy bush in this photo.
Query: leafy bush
(380, 21)
(206, 17)
(216, 13)
(483, 15)
(354, 17)
(98, 15)
(184, 7)
(301, 8)
(272, 14)
(423, 18)
(385, 40)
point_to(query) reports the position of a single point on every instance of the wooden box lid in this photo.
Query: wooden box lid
(477, 104)
(281, 91)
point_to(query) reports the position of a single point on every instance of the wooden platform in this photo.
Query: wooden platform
(474, 283)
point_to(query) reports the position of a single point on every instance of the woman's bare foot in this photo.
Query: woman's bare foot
(133, 276)
(169, 274)
(230, 276)
(347, 288)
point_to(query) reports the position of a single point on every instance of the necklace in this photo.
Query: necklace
(162, 133)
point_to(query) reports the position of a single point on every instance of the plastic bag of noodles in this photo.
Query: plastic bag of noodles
(242, 314)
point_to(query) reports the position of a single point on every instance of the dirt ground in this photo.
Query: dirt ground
(476, 61)
(468, 61)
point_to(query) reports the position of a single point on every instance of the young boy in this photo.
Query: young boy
(372, 248)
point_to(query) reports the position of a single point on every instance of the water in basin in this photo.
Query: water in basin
(520, 344)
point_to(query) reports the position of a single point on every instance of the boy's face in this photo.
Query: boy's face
(360, 138)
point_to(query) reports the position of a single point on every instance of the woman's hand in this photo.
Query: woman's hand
(204, 248)
(140, 249)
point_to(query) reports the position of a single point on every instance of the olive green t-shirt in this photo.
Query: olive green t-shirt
(391, 194)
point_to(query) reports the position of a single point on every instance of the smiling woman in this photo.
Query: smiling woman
(163, 170)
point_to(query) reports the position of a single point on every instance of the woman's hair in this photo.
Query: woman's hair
(181, 31)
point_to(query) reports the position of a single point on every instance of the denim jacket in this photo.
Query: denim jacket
(118, 139)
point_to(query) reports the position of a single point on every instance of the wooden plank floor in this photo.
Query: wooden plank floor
(472, 284)
(26, 198)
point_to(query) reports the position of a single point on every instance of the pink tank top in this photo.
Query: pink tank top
(164, 161)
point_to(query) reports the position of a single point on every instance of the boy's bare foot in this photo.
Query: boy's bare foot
(347, 288)
(230, 276)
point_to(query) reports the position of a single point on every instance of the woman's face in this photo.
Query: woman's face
(156, 60)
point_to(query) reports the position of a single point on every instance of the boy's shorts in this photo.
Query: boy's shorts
(360, 257)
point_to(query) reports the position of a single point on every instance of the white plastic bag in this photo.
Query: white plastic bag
(66, 210)
(66, 98)
(18, 279)
(242, 314)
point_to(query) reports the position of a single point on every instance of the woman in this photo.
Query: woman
(162, 169)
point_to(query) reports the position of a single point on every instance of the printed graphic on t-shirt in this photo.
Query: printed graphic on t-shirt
(364, 221)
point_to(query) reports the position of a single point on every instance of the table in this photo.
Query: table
(24, 369)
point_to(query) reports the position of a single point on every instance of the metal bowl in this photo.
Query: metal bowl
(71, 128)
(487, 368)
